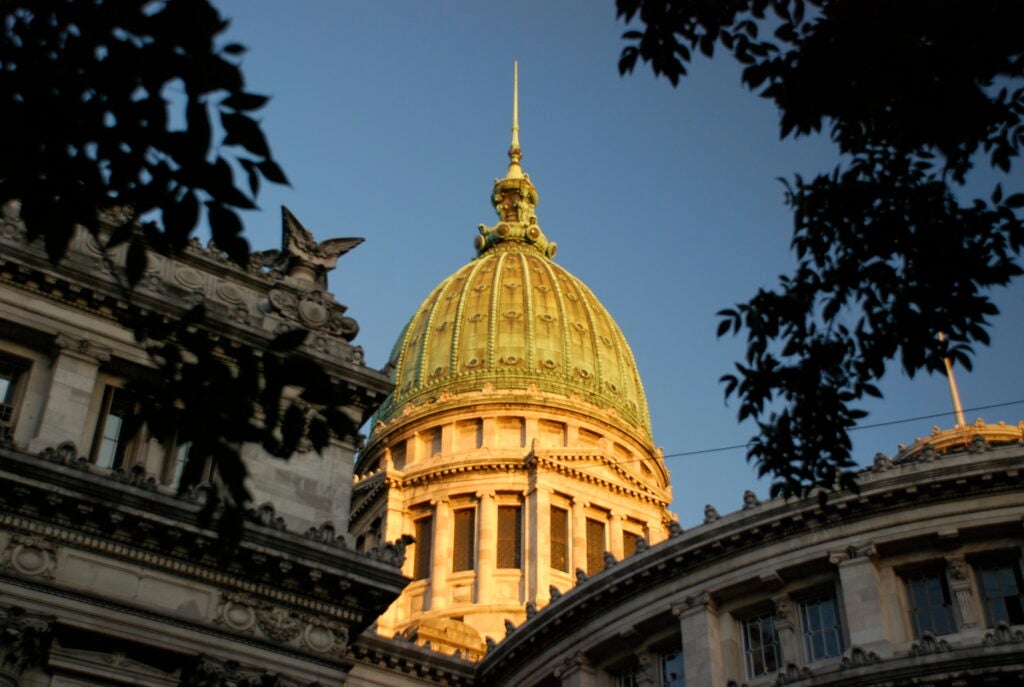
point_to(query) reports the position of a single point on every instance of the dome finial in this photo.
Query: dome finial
(515, 153)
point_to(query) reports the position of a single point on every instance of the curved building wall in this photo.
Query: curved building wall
(915, 580)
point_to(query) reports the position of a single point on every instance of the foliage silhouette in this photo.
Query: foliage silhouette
(914, 94)
(135, 106)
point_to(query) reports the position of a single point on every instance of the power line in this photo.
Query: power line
(887, 423)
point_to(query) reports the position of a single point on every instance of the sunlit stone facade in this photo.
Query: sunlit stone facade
(516, 448)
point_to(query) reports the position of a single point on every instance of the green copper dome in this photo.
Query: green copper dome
(514, 319)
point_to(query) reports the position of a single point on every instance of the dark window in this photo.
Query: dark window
(559, 539)
(629, 543)
(464, 537)
(673, 673)
(760, 645)
(421, 562)
(11, 372)
(930, 607)
(823, 635)
(595, 546)
(1000, 585)
(510, 537)
(626, 678)
(111, 443)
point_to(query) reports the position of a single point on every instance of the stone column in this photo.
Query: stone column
(702, 649)
(861, 600)
(65, 415)
(579, 533)
(960, 586)
(487, 548)
(441, 565)
(24, 643)
(577, 671)
(537, 557)
(615, 534)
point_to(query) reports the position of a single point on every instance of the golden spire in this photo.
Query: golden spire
(515, 153)
(958, 409)
(514, 198)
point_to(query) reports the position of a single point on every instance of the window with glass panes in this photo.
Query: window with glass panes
(510, 537)
(559, 539)
(10, 373)
(672, 669)
(760, 645)
(111, 440)
(823, 634)
(464, 521)
(999, 583)
(929, 603)
(423, 531)
(595, 546)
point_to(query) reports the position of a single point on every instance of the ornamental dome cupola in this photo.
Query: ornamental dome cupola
(514, 320)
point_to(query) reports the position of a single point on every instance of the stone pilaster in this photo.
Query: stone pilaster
(24, 643)
(960, 587)
(65, 415)
(487, 558)
(615, 534)
(786, 629)
(861, 600)
(579, 534)
(577, 671)
(537, 557)
(702, 649)
(442, 553)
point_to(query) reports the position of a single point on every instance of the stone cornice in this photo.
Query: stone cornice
(240, 304)
(70, 505)
(406, 658)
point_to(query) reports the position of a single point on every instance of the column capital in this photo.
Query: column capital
(485, 495)
(24, 642)
(81, 348)
(853, 553)
(580, 502)
(701, 601)
(573, 664)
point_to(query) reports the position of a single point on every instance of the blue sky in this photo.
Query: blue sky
(392, 120)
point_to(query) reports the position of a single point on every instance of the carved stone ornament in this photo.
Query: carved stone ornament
(136, 476)
(554, 592)
(278, 624)
(674, 530)
(266, 515)
(510, 627)
(859, 657)
(24, 641)
(581, 576)
(326, 638)
(881, 463)
(929, 644)
(710, 514)
(236, 611)
(326, 534)
(571, 665)
(31, 556)
(214, 672)
(792, 673)
(83, 348)
(531, 609)
(1002, 634)
(750, 500)
(392, 553)
(66, 453)
(957, 568)
(610, 561)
